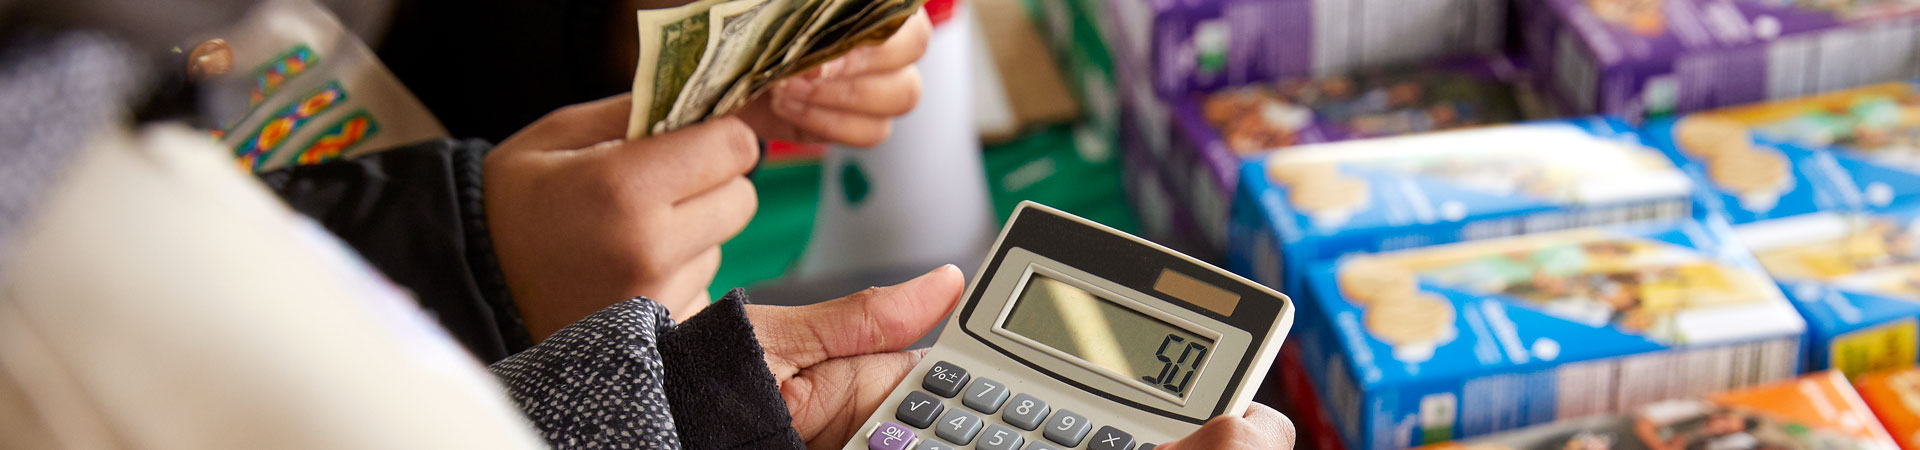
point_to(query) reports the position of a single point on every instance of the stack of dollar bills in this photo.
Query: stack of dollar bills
(710, 57)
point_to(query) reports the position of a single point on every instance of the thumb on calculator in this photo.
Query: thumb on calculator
(1260, 428)
(837, 360)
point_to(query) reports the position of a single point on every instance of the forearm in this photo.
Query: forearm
(416, 214)
(627, 377)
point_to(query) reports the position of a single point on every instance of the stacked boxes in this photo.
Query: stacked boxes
(1474, 281)
(1653, 57)
(1823, 190)
(1318, 202)
(1895, 398)
(1214, 133)
(1200, 45)
(1818, 411)
(1161, 51)
(1429, 345)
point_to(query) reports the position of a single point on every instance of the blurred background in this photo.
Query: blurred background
(1633, 212)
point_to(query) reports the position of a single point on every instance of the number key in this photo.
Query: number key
(1041, 445)
(1025, 412)
(1066, 428)
(958, 427)
(932, 444)
(918, 409)
(1109, 438)
(999, 437)
(945, 379)
(986, 395)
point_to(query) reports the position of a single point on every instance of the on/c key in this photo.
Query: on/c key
(891, 436)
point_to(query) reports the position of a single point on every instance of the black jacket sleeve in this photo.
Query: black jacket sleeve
(627, 377)
(415, 213)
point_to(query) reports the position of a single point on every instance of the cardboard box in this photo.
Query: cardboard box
(1651, 58)
(1315, 203)
(1868, 138)
(1213, 133)
(1818, 411)
(1200, 45)
(1428, 345)
(1894, 396)
(1823, 190)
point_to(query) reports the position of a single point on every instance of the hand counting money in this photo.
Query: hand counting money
(710, 57)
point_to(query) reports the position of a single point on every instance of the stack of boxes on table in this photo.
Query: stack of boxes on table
(1467, 265)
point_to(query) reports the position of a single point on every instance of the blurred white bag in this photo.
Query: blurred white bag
(159, 299)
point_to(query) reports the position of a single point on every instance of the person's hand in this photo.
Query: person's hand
(836, 361)
(851, 100)
(582, 218)
(1260, 428)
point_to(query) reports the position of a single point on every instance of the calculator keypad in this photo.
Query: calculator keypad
(1109, 438)
(945, 379)
(919, 409)
(999, 437)
(986, 395)
(1066, 428)
(891, 436)
(1041, 445)
(957, 427)
(933, 444)
(1025, 411)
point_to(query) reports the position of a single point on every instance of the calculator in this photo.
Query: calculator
(1079, 336)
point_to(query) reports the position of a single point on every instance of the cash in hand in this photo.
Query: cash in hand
(710, 57)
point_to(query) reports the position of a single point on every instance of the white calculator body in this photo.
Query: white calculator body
(1078, 336)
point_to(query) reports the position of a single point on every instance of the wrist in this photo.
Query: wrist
(482, 258)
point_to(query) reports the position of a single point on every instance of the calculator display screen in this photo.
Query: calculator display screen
(1103, 333)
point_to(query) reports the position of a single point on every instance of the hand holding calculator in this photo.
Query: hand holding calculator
(1076, 335)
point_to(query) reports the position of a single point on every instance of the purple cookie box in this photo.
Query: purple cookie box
(1201, 45)
(1162, 219)
(1202, 171)
(1676, 56)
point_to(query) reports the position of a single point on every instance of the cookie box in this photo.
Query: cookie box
(1865, 141)
(1153, 203)
(1894, 396)
(1817, 411)
(1199, 45)
(1855, 277)
(1315, 203)
(1214, 132)
(1822, 189)
(1655, 57)
(1434, 344)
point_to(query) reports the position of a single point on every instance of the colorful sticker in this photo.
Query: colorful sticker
(338, 138)
(1874, 349)
(268, 79)
(277, 128)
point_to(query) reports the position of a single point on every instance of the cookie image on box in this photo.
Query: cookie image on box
(1880, 124)
(1414, 324)
(1300, 172)
(1365, 280)
(1330, 201)
(1272, 125)
(1758, 177)
(1639, 286)
(1832, 248)
(1706, 137)
(1640, 17)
